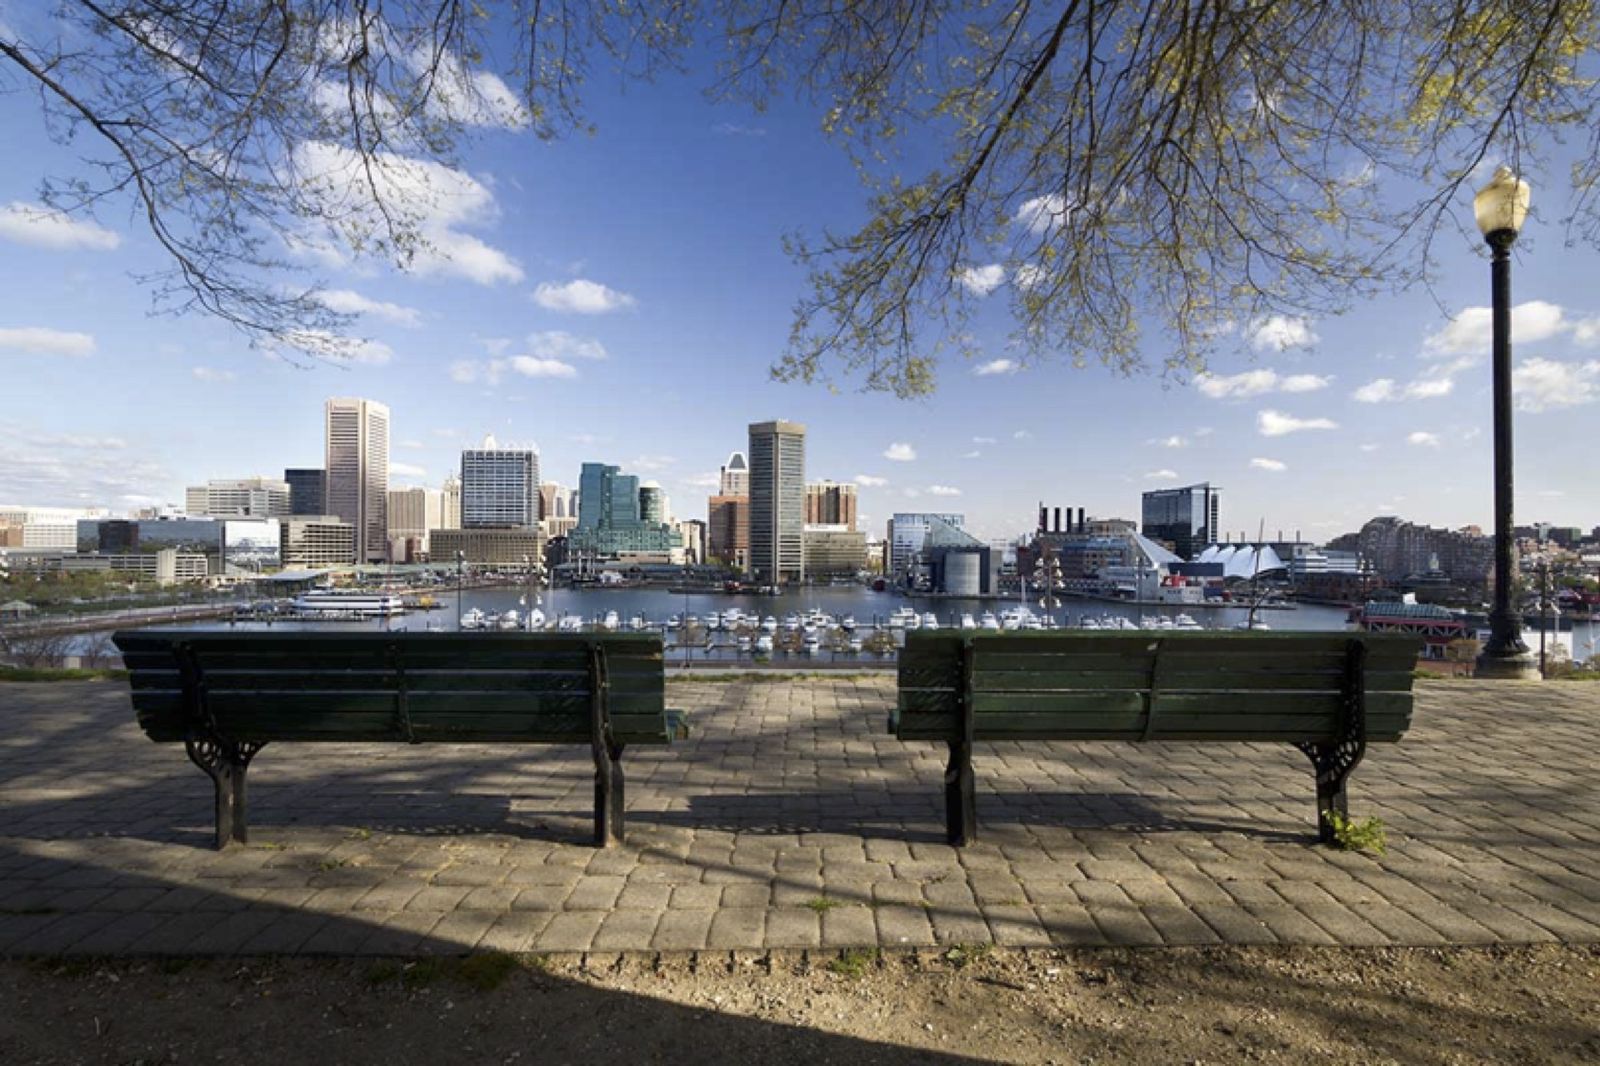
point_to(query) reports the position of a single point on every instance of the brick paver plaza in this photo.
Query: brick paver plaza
(791, 820)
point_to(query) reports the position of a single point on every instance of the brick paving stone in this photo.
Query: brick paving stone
(515, 932)
(625, 930)
(849, 927)
(737, 927)
(1494, 837)
(793, 927)
(683, 930)
(569, 931)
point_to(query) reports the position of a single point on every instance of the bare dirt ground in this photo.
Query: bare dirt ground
(1191, 1006)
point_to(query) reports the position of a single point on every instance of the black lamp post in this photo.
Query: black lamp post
(1500, 207)
(461, 558)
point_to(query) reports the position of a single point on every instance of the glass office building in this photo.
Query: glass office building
(1185, 518)
(777, 502)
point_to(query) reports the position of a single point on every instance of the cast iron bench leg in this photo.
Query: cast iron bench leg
(608, 796)
(227, 764)
(1333, 763)
(960, 796)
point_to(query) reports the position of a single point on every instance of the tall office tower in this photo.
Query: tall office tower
(830, 504)
(557, 501)
(450, 503)
(247, 497)
(414, 511)
(607, 497)
(728, 530)
(307, 491)
(652, 503)
(735, 477)
(777, 502)
(358, 472)
(1186, 518)
(499, 487)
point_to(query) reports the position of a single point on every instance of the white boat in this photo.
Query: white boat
(791, 622)
(637, 623)
(989, 621)
(675, 622)
(930, 620)
(510, 620)
(903, 618)
(967, 621)
(535, 620)
(745, 644)
(769, 624)
(473, 619)
(848, 623)
(349, 604)
(812, 644)
(764, 644)
(1255, 625)
(1186, 621)
(856, 644)
(570, 623)
(611, 621)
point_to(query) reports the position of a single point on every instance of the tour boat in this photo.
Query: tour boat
(351, 604)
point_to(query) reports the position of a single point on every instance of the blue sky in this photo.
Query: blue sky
(666, 298)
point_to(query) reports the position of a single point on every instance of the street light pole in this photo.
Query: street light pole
(461, 558)
(1500, 208)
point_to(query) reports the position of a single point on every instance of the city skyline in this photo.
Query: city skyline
(646, 341)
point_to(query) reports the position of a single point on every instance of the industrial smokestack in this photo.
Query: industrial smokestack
(1044, 519)
(1082, 525)
(1058, 521)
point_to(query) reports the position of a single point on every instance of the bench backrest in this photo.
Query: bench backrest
(1152, 686)
(306, 685)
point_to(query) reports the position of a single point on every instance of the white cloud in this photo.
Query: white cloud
(41, 227)
(1587, 332)
(206, 373)
(38, 340)
(347, 302)
(1174, 441)
(1369, 447)
(466, 371)
(943, 490)
(581, 296)
(1304, 383)
(1162, 475)
(1386, 391)
(974, 454)
(1544, 384)
(712, 480)
(1021, 434)
(1277, 424)
(1472, 331)
(436, 199)
(532, 366)
(559, 344)
(984, 440)
(406, 469)
(413, 445)
(868, 481)
(1257, 382)
(1028, 276)
(650, 464)
(1423, 439)
(982, 280)
(996, 366)
(900, 453)
(1273, 465)
(1043, 213)
(1279, 333)
(49, 469)
(733, 129)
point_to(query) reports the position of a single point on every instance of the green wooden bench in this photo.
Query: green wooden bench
(1328, 694)
(225, 695)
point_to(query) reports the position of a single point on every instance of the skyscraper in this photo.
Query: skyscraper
(358, 472)
(735, 479)
(609, 515)
(652, 503)
(777, 502)
(1186, 518)
(499, 487)
(829, 503)
(307, 490)
(450, 505)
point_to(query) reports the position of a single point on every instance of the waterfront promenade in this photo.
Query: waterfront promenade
(792, 821)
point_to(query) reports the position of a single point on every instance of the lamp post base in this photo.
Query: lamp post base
(1512, 664)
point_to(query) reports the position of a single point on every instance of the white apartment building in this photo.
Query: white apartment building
(251, 497)
(499, 487)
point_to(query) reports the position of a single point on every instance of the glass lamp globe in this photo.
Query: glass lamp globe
(1502, 204)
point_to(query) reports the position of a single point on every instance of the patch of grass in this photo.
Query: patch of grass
(485, 972)
(332, 864)
(270, 845)
(824, 904)
(1350, 835)
(853, 962)
(961, 955)
(359, 833)
(39, 673)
